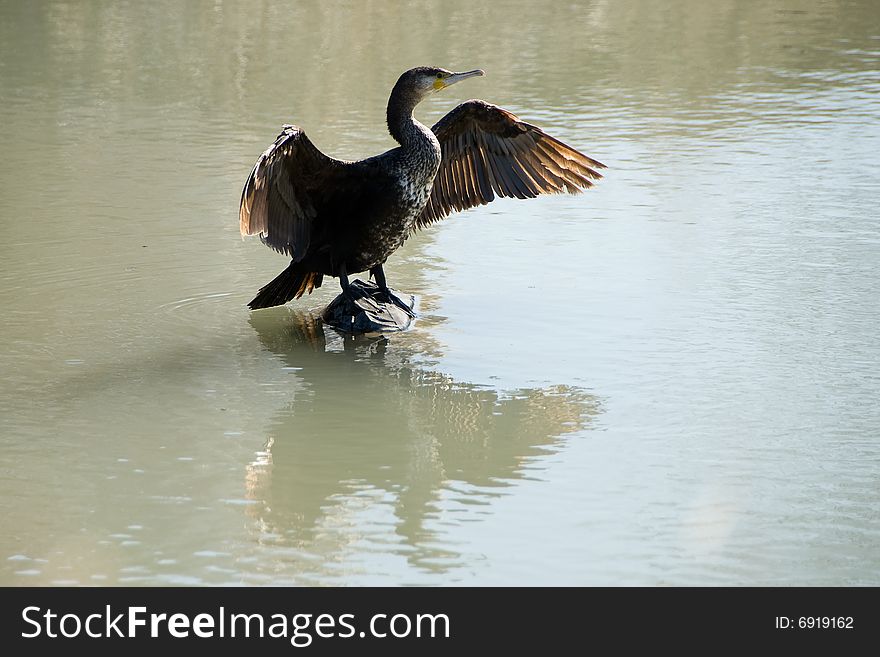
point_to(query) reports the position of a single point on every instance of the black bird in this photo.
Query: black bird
(336, 218)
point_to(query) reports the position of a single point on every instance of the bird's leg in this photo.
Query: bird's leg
(343, 282)
(379, 274)
(385, 293)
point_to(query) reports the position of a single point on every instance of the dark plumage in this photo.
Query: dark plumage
(336, 218)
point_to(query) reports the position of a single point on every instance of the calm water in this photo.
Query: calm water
(671, 379)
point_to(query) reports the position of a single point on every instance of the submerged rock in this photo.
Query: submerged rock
(366, 309)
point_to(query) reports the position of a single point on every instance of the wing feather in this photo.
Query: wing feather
(489, 152)
(276, 202)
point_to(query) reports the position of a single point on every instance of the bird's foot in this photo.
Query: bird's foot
(354, 293)
(387, 295)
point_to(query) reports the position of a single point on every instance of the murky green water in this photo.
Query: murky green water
(672, 379)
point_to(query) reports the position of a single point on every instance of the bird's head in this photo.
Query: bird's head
(425, 80)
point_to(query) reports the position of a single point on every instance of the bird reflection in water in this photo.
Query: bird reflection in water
(376, 449)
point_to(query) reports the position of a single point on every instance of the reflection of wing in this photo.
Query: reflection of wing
(488, 151)
(279, 198)
(405, 436)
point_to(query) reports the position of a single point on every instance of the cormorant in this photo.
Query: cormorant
(336, 218)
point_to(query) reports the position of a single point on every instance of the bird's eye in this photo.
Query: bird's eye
(439, 76)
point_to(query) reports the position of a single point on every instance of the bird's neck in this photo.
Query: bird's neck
(403, 126)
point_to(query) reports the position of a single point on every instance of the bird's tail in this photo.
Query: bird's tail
(289, 284)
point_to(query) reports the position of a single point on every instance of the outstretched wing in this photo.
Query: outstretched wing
(488, 151)
(277, 202)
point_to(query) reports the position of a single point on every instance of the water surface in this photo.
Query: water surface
(671, 379)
